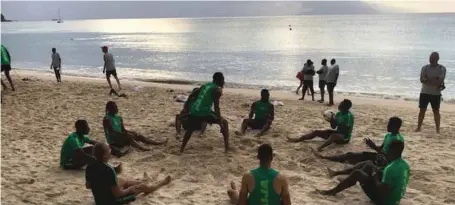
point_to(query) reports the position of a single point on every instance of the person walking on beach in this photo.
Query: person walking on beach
(383, 186)
(263, 112)
(308, 73)
(262, 185)
(109, 67)
(101, 179)
(432, 78)
(332, 79)
(322, 73)
(6, 67)
(344, 124)
(201, 110)
(56, 64)
(118, 136)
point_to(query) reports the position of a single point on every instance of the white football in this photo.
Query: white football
(328, 115)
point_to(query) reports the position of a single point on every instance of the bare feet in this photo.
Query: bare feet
(233, 186)
(316, 153)
(325, 192)
(167, 180)
(300, 98)
(417, 130)
(320, 101)
(238, 133)
(331, 173)
(292, 139)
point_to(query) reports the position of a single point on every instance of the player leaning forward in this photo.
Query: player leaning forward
(201, 110)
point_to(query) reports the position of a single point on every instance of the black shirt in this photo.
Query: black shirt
(102, 177)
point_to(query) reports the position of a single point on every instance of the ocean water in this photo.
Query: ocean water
(379, 55)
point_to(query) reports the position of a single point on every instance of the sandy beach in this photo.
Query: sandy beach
(41, 113)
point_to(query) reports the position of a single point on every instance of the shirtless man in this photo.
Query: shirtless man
(344, 124)
(383, 186)
(109, 67)
(393, 129)
(263, 112)
(118, 136)
(181, 120)
(200, 111)
(262, 185)
(106, 188)
(432, 78)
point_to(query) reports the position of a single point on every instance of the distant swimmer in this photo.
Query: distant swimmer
(118, 136)
(432, 78)
(263, 112)
(344, 124)
(393, 133)
(201, 110)
(109, 67)
(332, 79)
(322, 73)
(6, 67)
(262, 185)
(106, 188)
(56, 64)
(383, 186)
(308, 73)
(182, 119)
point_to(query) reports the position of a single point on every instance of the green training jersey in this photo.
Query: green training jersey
(72, 143)
(348, 120)
(388, 139)
(262, 109)
(396, 176)
(202, 106)
(116, 122)
(5, 58)
(264, 193)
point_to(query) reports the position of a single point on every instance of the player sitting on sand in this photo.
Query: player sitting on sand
(201, 110)
(393, 129)
(181, 120)
(73, 154)
(117, 135)
(262, 185)
(263, 112)
(106, 188)
(343, 122)
(385, 187)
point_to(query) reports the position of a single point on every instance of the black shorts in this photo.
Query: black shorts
(308, 83)
(120, 139)
(111, 72)
(6, 68)
(257, 124)
(434, 100)
(187, 124)
(195, 122)
(322, 84)
(331, 86)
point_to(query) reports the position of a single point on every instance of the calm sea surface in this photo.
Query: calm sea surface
(378, 54)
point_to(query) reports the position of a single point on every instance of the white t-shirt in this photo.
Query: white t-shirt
(433, 73)
(322, 76)
(332, 73)
(110, 62)
(56, 61)
(305, 69)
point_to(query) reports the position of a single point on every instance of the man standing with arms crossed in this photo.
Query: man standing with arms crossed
(332, 79)
(109, 67)
(432, 78)
(56, 64)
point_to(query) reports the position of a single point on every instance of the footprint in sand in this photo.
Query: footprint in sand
(187, 193)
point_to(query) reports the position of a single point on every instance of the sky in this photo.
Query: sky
(36, 10)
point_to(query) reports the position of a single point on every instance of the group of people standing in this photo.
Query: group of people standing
(328, 76)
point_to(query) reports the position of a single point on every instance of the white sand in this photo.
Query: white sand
(40, 114)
